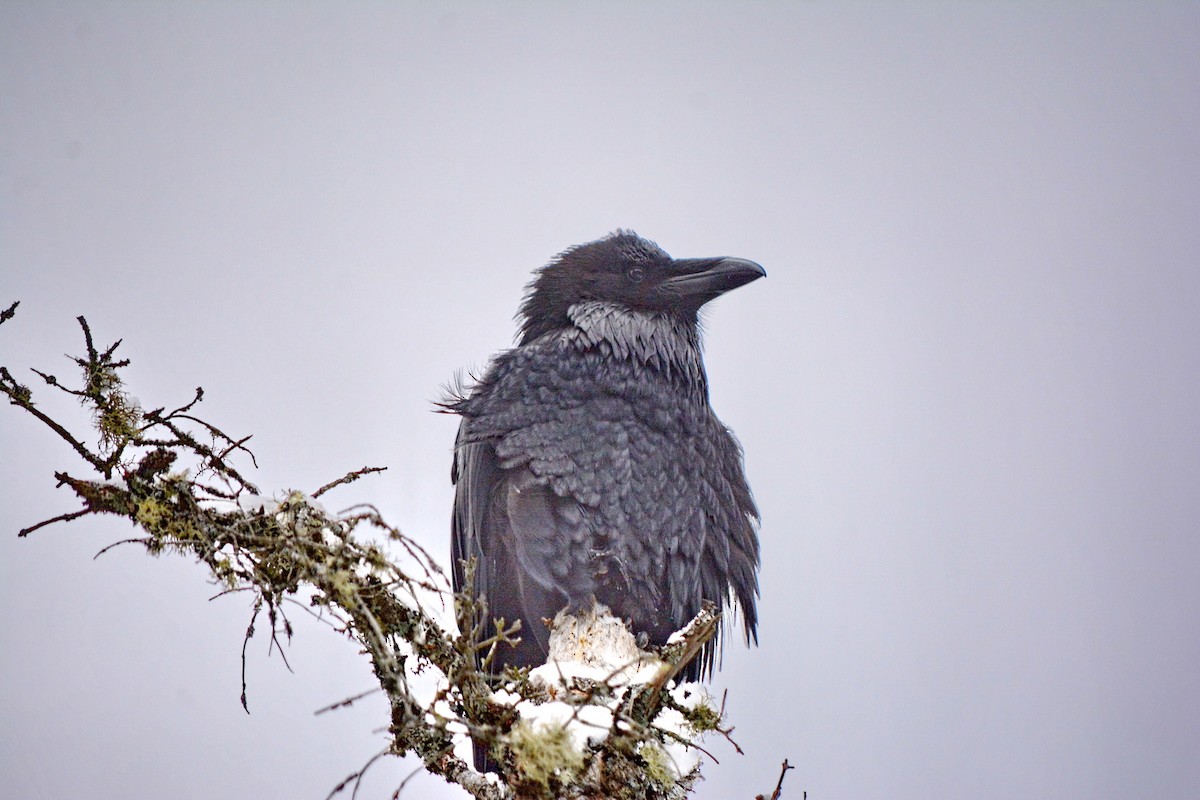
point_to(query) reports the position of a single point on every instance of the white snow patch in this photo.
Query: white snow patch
(256, 504)
(599, 648)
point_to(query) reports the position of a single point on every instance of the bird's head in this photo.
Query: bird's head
(627, 270)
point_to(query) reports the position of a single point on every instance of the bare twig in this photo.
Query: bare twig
(348, 478)
(67, 517)
(20, 395)
(346, 703)
(775, 795)
(246, 643)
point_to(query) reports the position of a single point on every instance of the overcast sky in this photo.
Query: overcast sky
(967, 389)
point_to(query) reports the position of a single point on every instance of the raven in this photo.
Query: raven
(589, 466)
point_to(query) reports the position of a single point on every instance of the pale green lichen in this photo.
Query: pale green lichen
(703, 717)
(166, 526)
(226, 573)
(118, 417)
(118, 421)
(657, 765)
(150, 514)
(545, 756)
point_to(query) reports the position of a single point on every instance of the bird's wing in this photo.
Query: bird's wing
(731, 550)
(528, 547)
(474, 472)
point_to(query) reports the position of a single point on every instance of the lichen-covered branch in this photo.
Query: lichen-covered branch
(173, 475)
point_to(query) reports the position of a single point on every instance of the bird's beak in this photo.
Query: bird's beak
(702, 279)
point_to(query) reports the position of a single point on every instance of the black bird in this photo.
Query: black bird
(589, 465)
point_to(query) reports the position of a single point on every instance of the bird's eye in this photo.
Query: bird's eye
(636, 274)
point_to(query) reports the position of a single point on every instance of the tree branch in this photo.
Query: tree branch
(171, 474)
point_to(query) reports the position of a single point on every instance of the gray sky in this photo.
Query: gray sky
(967, 389)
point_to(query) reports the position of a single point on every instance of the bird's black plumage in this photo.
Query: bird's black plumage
(589, 465)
